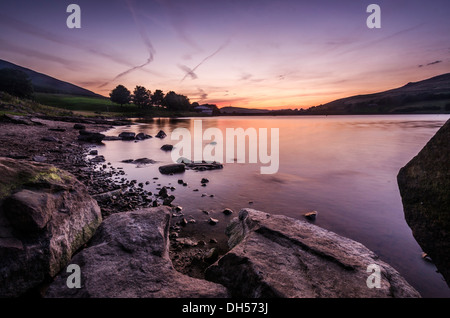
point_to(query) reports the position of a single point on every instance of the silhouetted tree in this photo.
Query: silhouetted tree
(120, 95)
(157, 98)
(141, 96)
(15, 82)
(174, 101)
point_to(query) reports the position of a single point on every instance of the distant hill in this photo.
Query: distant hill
(46, 84)
(428, 96)
(242, 110)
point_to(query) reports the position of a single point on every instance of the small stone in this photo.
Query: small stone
(213, 221)
(39, 158)
(166, 147)
(227, 211)
(426, 257)
(211, 256)
(311, 215)
(183, 222)
(204, 180)
(93, 152)
(180, 181)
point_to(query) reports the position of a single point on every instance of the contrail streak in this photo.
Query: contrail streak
(145, 39)
(191, 71)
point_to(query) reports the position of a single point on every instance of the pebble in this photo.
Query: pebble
(311, 215)
(227, 211)
(213, 221)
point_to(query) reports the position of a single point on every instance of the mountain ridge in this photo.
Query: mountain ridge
(43, 83)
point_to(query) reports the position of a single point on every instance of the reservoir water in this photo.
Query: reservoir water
(343, 167)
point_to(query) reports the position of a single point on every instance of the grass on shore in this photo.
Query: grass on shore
(13, 105)
(95, 106)
(70, 105)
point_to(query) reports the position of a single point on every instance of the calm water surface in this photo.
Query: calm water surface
(344, 167)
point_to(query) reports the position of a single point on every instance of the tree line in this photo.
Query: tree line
(144, 98)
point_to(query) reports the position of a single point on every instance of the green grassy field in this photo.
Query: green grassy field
(82, 103)
(94, 106)
(13, 105)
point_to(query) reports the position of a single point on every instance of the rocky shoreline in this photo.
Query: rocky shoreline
(142, 251)
(56, 141)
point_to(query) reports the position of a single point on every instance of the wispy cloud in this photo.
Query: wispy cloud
(16, 49)
(58, 39)
(431, 63)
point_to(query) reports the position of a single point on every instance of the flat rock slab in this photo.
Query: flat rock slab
(129, 258)
(277, 256)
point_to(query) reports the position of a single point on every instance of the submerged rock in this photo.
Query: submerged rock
(172, 168)
(167, 147)
(202, 166)
(129, 258)
(161, 134)
(424, 185)
(140, 161)
(127, 135)
(142, 136)
(311, 215)
(277, 256)
(46, 215)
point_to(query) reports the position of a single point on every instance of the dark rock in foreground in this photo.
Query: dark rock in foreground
(127, 135)
(129, 258)
(46, 215)
(172, 168)
(277, 256)
(424, 185)
(90, 136)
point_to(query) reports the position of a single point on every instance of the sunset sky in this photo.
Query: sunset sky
(260, 54)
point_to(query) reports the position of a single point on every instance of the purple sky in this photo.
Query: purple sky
(262, 54)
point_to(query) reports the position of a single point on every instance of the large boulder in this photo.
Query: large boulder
(46, 214)
(424, 185)
(129, 257)
(277, 256)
